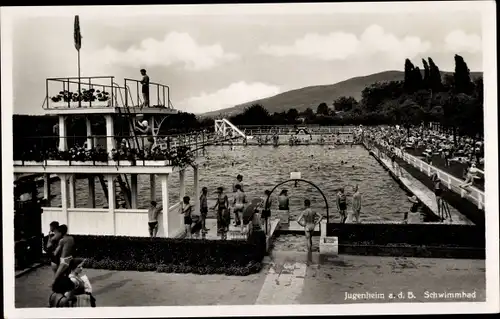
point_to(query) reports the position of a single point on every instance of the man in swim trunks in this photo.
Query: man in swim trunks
(153, 212)
(342, 205)
(238, 204)
(309, 220)
(222, 205)
(64, 250)
(283, 200)
(356, 204)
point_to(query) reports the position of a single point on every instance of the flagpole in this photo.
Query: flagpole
(79, 88)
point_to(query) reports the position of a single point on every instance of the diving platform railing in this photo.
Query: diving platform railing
(157, 92)
(102, 92)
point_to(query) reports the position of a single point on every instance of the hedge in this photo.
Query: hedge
(231, 257)
(410, 234)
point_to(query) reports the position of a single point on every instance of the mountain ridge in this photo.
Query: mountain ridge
(312, 96)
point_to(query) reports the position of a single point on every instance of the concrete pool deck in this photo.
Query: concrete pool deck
(287, 278)
(423, 193)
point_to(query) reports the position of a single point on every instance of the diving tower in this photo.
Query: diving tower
(119, 146)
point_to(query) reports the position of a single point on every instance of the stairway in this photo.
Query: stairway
(123, 194)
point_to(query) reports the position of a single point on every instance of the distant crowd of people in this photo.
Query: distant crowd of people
(434, 143)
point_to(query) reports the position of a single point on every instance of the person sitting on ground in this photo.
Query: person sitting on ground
(186, 210)
(153, 212)
(72, 289)
(309, 220)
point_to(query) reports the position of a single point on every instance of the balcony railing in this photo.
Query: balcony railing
(159, 94)
(102, 91)
(40, 149)
(86, 92)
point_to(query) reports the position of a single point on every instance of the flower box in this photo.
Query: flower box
(84, 163)
(120, 163)
(27, 163)
(57, 162)
(32, 163)
(156, 163)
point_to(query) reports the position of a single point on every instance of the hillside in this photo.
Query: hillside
(312, 96)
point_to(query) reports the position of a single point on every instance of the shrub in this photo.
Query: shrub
(231, 257)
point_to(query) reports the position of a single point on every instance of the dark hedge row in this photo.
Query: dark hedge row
(234, 257)
(410, 234)
(229, 270)
(413, 251)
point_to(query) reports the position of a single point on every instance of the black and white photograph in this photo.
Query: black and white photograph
(250, 159)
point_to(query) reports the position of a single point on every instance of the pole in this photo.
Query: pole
(79, 88)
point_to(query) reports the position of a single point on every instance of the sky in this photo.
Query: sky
(218, 60)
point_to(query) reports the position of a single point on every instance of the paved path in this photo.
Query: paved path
(289, 278)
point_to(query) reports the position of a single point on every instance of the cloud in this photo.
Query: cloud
(341, 45)
(175, 48)
(459, 41)
(234, 94)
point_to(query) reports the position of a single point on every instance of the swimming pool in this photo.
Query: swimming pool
(263, 167)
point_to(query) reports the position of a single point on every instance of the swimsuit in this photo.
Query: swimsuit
(342, 202)
(152, 225)
(187, 216)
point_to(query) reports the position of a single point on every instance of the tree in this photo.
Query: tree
(434, 77)
(411, 114)
(417, 81)
(345, 103)
(426, 80)
(409, 76)
(253, 115)
(322, 109)
(308, 114)
(292, 115)
(463, 83)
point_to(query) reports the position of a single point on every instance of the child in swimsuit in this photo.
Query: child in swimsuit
(186, 210)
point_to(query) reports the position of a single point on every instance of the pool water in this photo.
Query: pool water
(263, 167)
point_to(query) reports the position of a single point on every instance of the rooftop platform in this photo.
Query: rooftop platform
(102, 95)
(60, 109)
